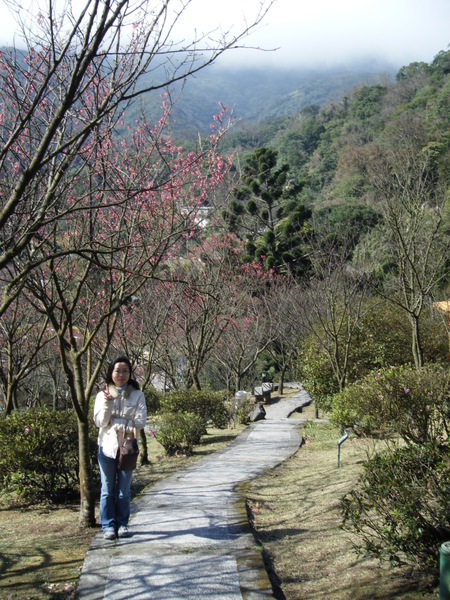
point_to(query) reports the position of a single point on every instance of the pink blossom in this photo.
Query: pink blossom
(407, 390)
(27, 430)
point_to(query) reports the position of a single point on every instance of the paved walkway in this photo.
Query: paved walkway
(190, 534)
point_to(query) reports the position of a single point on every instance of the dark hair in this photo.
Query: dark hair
(113, 363)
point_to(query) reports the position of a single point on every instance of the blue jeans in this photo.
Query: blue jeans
(115, 494)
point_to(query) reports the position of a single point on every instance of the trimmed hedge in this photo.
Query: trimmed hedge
(400, 506)
(184, 416)
(413, 403)
(179, 432)
(153, 399)
(39, 455)
(210, 406)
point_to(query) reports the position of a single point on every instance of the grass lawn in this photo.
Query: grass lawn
(42, 548)
(294, 509)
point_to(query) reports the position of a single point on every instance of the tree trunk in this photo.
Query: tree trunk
(143, 454)
(11, 399)
(416, 343)
(196, 382)
(87, 493)
(281, 384)
(9, 406)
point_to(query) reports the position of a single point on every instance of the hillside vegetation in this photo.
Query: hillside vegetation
(255, 94)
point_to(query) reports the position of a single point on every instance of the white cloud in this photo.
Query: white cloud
(318, 32)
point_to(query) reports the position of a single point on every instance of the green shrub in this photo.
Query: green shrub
(382, 339)
(39, 454)
(400, 507)
(208, 405)
(240, 408)
(152, 399)
(316, 374)
(178, 432)
(412, 403)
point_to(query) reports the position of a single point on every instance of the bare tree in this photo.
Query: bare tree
(210, 296)
(244, 340)
(287, 326)
(332, 302)
(23, 334)
(411, 190)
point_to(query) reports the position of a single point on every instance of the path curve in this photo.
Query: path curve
(190, 534)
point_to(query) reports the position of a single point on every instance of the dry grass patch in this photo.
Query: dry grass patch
(42, 549)
(296, 516)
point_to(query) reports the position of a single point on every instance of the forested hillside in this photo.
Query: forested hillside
(256, 94)
(349, 202)
(313, 139)
(338, 153)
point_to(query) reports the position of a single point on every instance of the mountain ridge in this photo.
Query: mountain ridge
(255, 94)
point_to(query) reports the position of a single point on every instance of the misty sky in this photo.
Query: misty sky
(326, 32)
(317, 32)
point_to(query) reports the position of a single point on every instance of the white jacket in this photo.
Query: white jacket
(127, 406)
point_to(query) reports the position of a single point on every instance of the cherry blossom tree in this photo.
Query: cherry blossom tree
(23, 334)
(65, 88)
(141, 333)
(213, 287)
(146, 331)
(87, 217)
(137, 204)
(247, 336)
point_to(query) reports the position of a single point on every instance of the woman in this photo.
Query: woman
(119, 407)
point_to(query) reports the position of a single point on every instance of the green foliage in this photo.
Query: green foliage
(267, 212)
(382, 339)
(366, 101)
(347, 221)
(412, 403)
(185, 415)
(208, 405)
(240, 409)
(316, 373)
(178, 432)
(39, 455)
(412, 70)
(372, 343)
(441, 65)
(152, 399)
(400, 508)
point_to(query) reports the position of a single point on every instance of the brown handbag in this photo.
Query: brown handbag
(128, 450)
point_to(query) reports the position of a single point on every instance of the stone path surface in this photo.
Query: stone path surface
(190, 534)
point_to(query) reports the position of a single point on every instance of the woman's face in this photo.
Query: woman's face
(121, 374)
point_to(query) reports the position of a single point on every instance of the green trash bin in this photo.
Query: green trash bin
(444, 572)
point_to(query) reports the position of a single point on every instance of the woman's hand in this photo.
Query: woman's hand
(104, 388)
